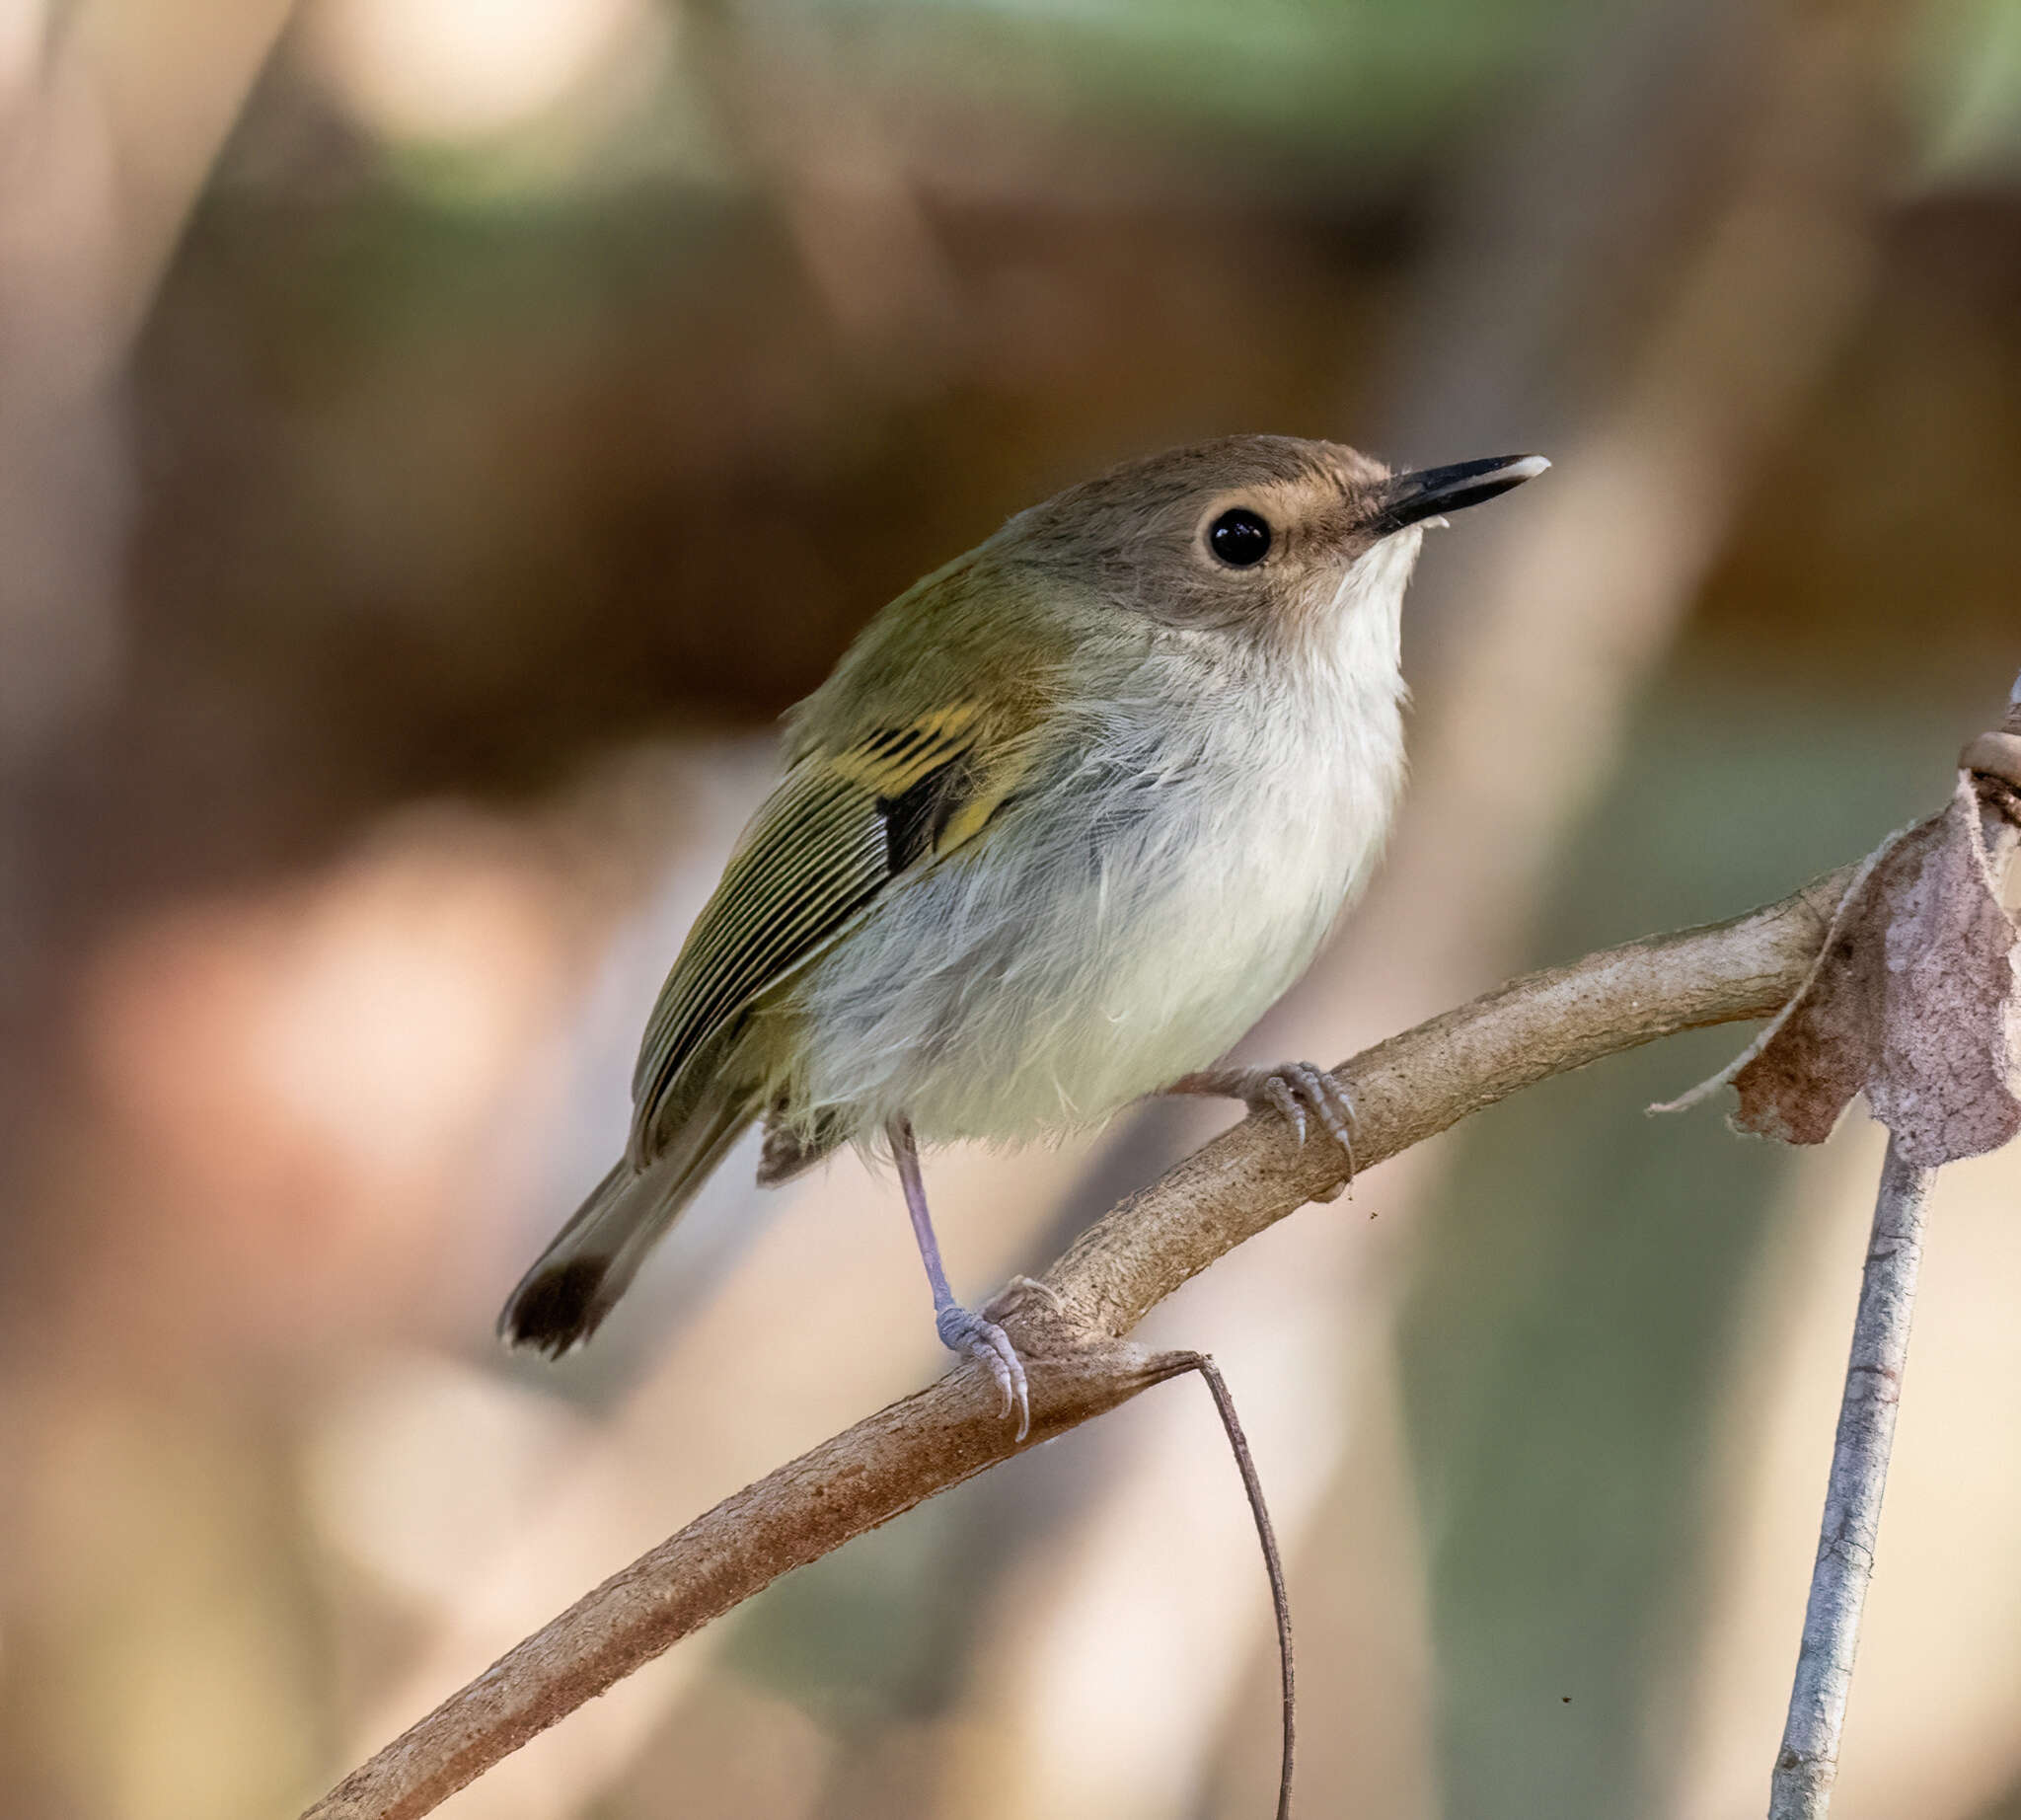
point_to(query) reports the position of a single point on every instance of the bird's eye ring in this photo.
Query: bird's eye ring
(1239, 537)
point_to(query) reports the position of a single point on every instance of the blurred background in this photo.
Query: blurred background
(437, 437)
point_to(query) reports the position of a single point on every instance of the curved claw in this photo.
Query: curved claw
(1293, 1087)
(1278, 1090)
(1290, 1088)
(977, 1336)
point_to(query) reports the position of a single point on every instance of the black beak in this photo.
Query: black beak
(1407, 498)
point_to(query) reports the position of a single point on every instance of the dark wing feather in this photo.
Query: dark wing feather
(824, 845)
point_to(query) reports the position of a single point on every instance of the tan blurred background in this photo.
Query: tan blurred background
(438, 436)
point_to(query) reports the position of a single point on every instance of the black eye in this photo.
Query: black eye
(1239, 537)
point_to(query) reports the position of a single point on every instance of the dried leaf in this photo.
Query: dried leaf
(1949, 1083)
(1916, 1000)
(1834, 946)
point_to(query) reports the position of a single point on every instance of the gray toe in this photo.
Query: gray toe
(974, 1335)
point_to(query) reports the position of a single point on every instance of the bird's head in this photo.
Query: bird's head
(1250, 532)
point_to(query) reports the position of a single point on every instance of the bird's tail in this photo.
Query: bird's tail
(574, 1283)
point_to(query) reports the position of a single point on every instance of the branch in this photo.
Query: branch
(1406, 1089)
(1808, 1763)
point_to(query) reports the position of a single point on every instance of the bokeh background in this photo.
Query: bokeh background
(436, 439)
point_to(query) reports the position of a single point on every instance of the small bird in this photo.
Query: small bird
(1066, 819)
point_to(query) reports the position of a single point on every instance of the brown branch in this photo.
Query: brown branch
(1406, 1089)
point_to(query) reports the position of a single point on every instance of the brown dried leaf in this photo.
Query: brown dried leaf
(1915, 999)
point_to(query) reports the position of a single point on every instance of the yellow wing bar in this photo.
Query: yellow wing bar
(823, 846)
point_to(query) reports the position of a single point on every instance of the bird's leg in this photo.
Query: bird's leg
(961, 1329)
(1290, 1088)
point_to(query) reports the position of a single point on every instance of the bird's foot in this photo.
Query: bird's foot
(1292, 1088)
(976, 1335)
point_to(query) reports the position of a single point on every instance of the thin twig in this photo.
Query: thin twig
(1406, 1089)
(1273, 1561)
(1801, 1788)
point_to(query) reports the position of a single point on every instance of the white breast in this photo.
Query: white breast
(1129, 921)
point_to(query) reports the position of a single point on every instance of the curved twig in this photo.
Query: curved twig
(1273, 1564)
(1406, 1089)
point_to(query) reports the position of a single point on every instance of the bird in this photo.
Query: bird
(1065, 819)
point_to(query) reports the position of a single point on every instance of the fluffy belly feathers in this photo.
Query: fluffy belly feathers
(1129, 932)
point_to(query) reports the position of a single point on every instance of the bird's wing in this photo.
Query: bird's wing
(840, 828)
